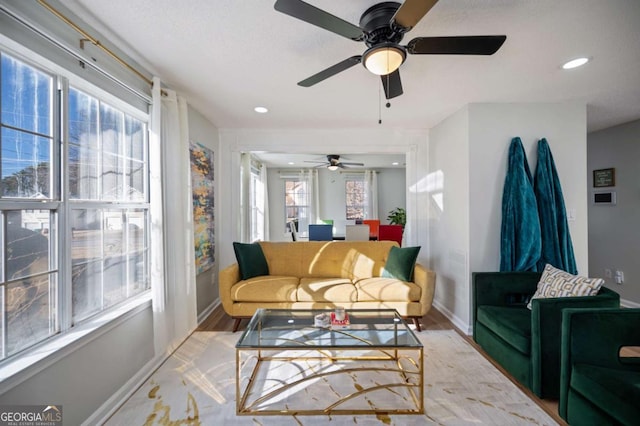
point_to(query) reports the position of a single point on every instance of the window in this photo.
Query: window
(73, 214)
(257, 203)
(296, 196)
(356, 201)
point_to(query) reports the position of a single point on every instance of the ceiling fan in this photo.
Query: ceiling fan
(381, 28)
(333, 163)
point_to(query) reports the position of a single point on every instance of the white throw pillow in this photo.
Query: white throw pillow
(555, 282)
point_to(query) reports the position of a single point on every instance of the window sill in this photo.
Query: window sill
(36, 359)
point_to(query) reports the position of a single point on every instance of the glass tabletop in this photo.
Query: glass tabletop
(297, 329)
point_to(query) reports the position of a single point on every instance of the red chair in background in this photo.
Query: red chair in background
(390, 233)
(374, 225)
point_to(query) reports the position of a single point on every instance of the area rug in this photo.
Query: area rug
(197, 386)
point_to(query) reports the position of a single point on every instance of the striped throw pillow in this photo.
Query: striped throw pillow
(555, 282)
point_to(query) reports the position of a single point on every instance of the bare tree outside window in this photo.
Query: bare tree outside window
(356, 198)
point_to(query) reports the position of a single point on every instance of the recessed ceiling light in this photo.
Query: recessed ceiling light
(395, 163)
(291, 163)
(261, 109)
(575, 63)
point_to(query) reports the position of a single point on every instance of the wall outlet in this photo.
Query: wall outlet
(619, 277)
(607, 273)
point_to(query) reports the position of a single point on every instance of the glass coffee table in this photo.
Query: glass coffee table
(286, 365)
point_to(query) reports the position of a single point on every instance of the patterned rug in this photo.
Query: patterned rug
(197, 386)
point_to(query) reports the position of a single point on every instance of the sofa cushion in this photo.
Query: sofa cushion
(616, 392)
(555, 282)
(268, 288)
(251, 260)
(512, 324)
(400, 263)
(326, 290)
(387, 289)
(353, 260)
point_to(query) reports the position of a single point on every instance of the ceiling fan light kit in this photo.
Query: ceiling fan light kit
(381, 28)
(384, 58)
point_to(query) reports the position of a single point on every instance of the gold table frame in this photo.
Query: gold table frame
(402, 365)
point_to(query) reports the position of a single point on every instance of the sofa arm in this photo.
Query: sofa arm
(595, 336)
(226, 279)
(426, 280)
(546, 331)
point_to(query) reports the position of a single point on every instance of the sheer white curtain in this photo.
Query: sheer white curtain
(245, 197)
(265, 201)
(310, 176)
(371, 194)
(173, 265)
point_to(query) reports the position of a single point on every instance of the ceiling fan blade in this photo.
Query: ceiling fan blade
(456, 45)
(352, 164)
(411, 12)
(331, 71)
(392, 84)
(318, 17)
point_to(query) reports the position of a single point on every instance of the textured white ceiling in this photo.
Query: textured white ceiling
(227, 56)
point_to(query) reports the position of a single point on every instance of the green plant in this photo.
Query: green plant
(397, 216)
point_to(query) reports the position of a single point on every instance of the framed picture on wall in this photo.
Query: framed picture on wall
(604, 177)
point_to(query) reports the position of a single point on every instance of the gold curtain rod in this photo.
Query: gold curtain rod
(94, 41)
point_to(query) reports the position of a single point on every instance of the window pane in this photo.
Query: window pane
(137, 252)
(83, 173)
(355, 199)
(25, 165)
(112, 177)
(31, 312)
(87, 290)
(27, 242)
(83, 119)
(111, 129)
(135, 181)
(86, 235)
(110, 258)
(134, 134)
(26, 97)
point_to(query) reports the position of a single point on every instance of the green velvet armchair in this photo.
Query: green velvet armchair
(525, 342)
(597, 386)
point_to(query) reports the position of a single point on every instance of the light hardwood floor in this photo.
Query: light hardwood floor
(434, 320)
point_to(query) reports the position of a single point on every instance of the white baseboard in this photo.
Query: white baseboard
(629, 304)
(205, 314)
(460, 324)
(111, 405)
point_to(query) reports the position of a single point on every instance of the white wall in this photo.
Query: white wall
(614, 231)
(91, 374)
(489, 130)
(342, 141)
(205, 133)
(448, 190)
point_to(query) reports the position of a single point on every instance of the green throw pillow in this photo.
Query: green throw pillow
(251, 260)
(400, 263)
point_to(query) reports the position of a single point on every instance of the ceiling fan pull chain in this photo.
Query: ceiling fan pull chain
(379, 105)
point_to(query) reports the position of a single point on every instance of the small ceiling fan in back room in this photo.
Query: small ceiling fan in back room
(381, 28)
(333, 163)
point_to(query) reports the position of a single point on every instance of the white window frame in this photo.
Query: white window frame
(21, 366)
(300, 219)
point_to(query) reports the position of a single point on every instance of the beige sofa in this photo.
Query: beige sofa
(323, 275)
